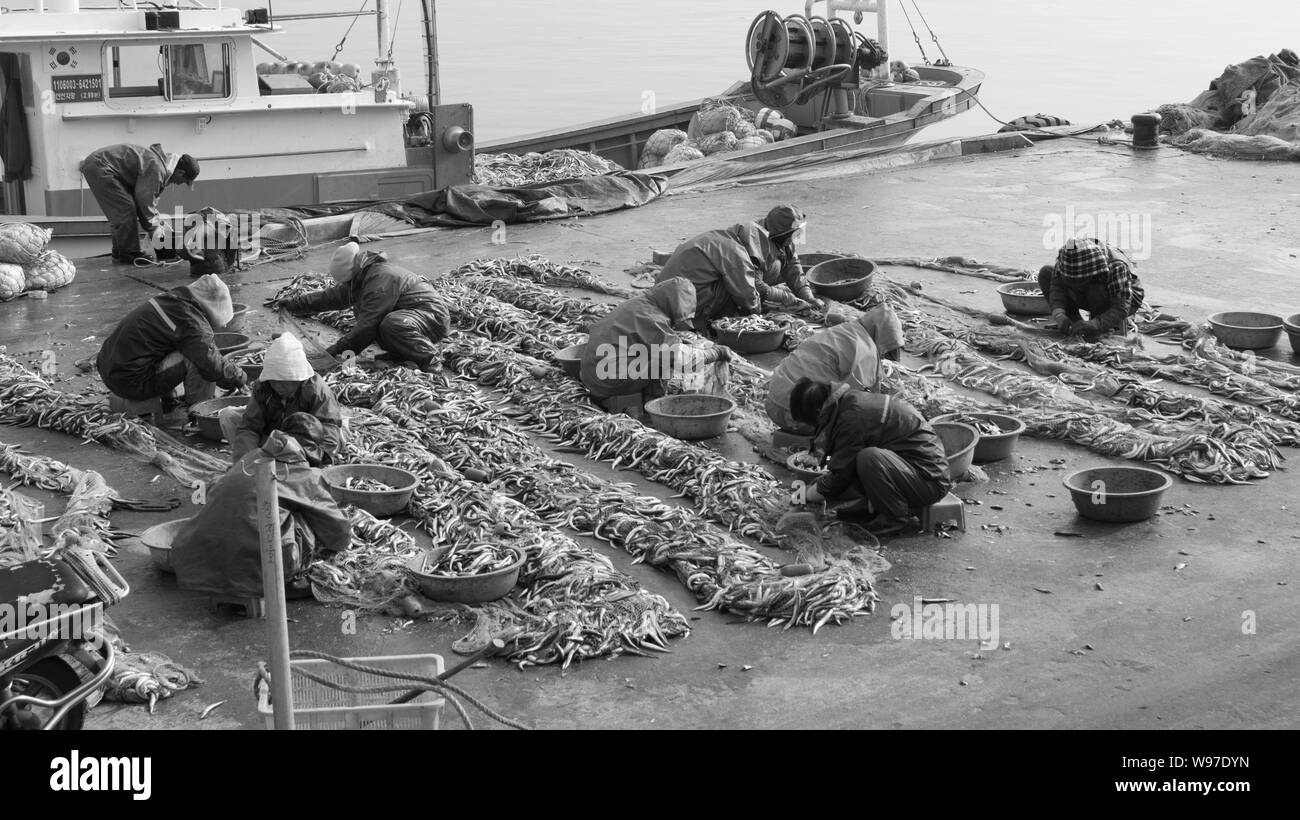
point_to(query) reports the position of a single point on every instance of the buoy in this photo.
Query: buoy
(1145, 127)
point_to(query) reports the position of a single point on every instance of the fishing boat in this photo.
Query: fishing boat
(273, 133)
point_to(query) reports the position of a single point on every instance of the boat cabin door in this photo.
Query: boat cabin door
(15, 139)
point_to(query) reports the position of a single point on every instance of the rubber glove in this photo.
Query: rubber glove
(1088, 329)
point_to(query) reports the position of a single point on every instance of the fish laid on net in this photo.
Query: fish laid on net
(27, 400)
(720, 572)
(514, 170)
(544, 272)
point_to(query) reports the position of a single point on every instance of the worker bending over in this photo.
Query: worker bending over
(287, 385)
(734, 269)
(168, 341)
(218, 551)
(393, 306)
(877, 444)
(847, 353)
(1093, 276)
(126, 181)
(635, 349)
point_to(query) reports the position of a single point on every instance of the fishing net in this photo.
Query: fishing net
(20, 529)
(514, 171)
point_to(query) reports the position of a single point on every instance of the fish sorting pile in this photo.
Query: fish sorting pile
(807, 461)
(474, 559)
(371, 575)
(85, 519)
(983, 426)
(513, 170)
(538, 299)
(720, 572)
(27, 400)
(486, 316)
(542, 271)
(746, 324)
(305, 283)
(1025, 292)
(572, 604)
(250, 356)
(20, 529)
(370, 485)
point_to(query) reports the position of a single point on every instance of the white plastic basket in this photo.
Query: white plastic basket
(316, 706)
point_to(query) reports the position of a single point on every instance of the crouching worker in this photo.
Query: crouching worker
(168, 341)
(847, 353)
(287, 386)
(1093, 276)
(635, 349)
(393, 306)
(878, 445)
(734, 269)
(218, 551)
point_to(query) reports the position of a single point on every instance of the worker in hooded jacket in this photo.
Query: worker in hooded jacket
(877, 444)
(392, 305)
(847, 353)
(636, 348)
(735, 269)
(168, 341)
(126, 181)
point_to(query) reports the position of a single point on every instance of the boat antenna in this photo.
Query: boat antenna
(342, 42)
(392, 40)
(915, 36)
(933, 36)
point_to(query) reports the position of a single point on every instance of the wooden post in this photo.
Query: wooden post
(277, 622)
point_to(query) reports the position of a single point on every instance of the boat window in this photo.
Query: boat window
(188, 71)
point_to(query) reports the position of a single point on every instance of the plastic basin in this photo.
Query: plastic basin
(381, 503)
(1021, 304)
(690, 416)
(959, 442)
(570, 359)
(204, 415)
(803, 472)
(811, 260)
(158, 539)
(1117, 494)
(752, 341)
(228, 343)
(237, 322)
(464, 589)
(992, 447)
(252, 371)
(843, 279)
(1291, 325)
(1247, 331)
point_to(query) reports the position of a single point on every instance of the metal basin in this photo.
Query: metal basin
(1117, 494)
(690, 416)
(381, 503)
(1291, 325)
(1247, 331)
(159, 539)
(959, 442)
(1024, 305)
(204, 415)
(843, 279)
(570, 359)
(464, 589)
(992, 447)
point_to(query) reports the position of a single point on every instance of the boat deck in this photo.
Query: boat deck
(1165, 648)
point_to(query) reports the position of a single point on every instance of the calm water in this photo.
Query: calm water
(527, 66)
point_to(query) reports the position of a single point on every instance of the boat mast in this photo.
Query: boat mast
(430, 10)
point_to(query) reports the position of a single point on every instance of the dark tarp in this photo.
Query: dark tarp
(468, 205)
(15, 147)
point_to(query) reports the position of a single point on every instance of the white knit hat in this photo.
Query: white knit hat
(214, 297)
(343, 263)
(285, 361)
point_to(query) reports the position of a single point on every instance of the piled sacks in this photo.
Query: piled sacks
(717, 128)
(26, 265)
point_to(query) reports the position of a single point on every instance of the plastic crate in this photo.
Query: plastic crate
(316, 706)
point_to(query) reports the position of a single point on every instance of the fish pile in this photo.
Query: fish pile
(369, 485)
(1025, 292)
(250, 356)
(746, 324)
(513, 170)
(85, 518)
(20, 530)
(807, 461)
(720, 572)
(474, 559)
(305, 283)
(572, 604)
(983, 426)
(542, 271)
(145, 677)
(27, 400)
(486, 316)
(370, 575)
(538, 299)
